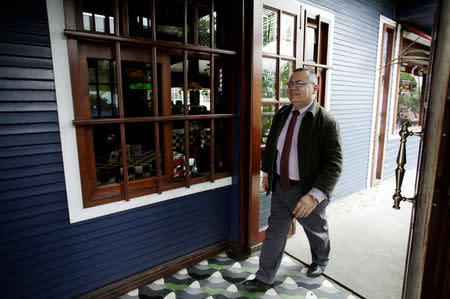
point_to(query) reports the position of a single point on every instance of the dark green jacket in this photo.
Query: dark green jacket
(320, 154)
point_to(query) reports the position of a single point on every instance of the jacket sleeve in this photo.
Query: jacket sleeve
(331, 159)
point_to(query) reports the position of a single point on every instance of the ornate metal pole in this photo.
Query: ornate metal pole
(401, 161)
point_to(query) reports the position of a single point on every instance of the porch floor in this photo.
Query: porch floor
(369, 240)
(221, 277)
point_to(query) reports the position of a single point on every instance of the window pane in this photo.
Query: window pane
(108, 159)
(199, 74)
(221, 85)
(102, 88)
(218, 20)
(176, 92)
(409, 97)
(269, 78)
(267, 113)
(98, 16)
(286, 68)
(287, 35)
(204, 22)
(137, 89)
(270, 29)
(190, 21)
(141, 152)
(199, 147)
(139, 17)
(310, 44)
(223, 145)
(169, 20)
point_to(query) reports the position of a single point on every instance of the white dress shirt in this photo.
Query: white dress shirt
(293, 155)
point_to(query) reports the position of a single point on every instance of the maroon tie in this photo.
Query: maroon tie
(284, 161)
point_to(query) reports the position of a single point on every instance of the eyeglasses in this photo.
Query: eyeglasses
(298, 83)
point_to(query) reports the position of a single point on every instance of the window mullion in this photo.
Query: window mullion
(319, 41)
(122, 124)
(186, 122)
(155, 111)
(211, 104)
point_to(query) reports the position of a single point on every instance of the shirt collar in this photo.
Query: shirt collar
(304, 109)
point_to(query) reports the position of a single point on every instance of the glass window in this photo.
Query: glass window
(199, 93)
(310, 44)
(137, 89)
(169, 20)
(269, 78)
(287, 35)
(108, 158)
(141, 151)
(204, 22)
(270, 31)
(103, 88)
(286, 69)
(121, 135)
(139, 18)
(409, 99)
(98, 16)
(267, 113)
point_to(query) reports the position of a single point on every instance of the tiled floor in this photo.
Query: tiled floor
(221, 277)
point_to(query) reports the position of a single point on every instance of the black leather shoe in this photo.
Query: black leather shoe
(256, 285)
(315, 270)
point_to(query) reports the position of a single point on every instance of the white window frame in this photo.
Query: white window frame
(63, 90)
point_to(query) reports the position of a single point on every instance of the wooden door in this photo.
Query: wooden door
(428, 264)
(286, 36)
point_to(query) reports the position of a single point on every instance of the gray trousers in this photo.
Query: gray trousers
(315, 226)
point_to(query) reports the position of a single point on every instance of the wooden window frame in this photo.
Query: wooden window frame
(84, 44)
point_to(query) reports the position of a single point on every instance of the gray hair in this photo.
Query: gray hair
(311, 75)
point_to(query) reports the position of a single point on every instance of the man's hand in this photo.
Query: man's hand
(305, 206)
(265, 183)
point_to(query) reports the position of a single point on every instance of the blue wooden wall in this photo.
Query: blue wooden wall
(42, 254)
(353, 87)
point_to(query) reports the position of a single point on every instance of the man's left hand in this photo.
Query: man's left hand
(305, 206)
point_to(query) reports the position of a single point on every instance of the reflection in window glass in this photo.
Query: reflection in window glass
(267, 113)
(220, 86)
(409, 99)
(200, 146)
(108, 160)
(176, 91)
(98, 16)
(310, 44)
(103, 88)
(287, 35)
(199, 93)
(222, 145)
(204, 22)
(169, 20)
(270, 27)
(137, 89)
(285, 73)
(141, 153)
(269, 78)
(139, 13)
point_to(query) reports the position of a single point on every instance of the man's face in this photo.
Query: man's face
(300, 96)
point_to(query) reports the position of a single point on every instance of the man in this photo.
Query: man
(301, 164)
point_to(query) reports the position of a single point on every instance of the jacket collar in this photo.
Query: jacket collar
(313, 109)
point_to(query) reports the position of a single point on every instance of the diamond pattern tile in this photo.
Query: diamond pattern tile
(221, 277)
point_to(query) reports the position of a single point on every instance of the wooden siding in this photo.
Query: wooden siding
(355, 44)
(42, 254)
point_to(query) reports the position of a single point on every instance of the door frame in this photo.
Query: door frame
(438, 80)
